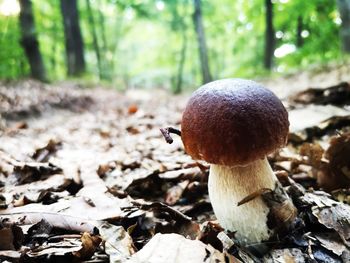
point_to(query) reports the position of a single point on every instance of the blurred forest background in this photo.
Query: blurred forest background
(173, 44)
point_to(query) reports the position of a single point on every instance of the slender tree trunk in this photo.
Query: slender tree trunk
(106, 65)
(178, 87)
(344, 11)
(94, 38)
(53, 60)
(101, 20)
(269, 36)
(300, 40)
(203, 54)
(74, 41)
(30, 42)
(115, 44)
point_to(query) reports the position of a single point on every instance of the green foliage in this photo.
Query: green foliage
(12, 61)
(320, 21)
(141, 40)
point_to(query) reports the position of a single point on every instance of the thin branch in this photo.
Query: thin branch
(158, 206)
(166, 133)
(254, 195)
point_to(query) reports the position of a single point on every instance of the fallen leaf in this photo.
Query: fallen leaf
(175, 193)
(336, 174)
(11, 236)
(175, 248)
(288, 255)
(337, 95)
(335, 217)
(43, 154)
(69, 223)
(27, 172)
(89, 246)
(118, 244)
(331, 242)
(10, 255)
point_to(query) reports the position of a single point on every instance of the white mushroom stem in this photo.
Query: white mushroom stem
(230, 184)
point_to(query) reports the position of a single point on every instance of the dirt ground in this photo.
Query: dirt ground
(86, 175)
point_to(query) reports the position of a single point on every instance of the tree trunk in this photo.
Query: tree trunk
(300, 40)
(344, 11)
(269, 36)
(74, 41)
(202, 46)
(30, 42)
(94, 39)
(106, 65)
(178, 87)
(55, 38)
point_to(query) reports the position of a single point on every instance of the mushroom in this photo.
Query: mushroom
(233, 124)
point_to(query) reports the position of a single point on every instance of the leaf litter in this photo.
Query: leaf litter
(85, 175)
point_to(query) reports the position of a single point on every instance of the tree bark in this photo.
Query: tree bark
(30, 41)
(74, 41)
(94, 39)
(269, 36)
(300, 40)
(55, 38)
(178, 87)
(106, 65)
(344, 11)
(202, 46)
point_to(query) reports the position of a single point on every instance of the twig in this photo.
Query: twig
(62, 237)
(157, 206)
(166, 133)
(254, 195)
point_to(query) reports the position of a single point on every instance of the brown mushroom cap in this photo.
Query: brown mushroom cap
(233, 122)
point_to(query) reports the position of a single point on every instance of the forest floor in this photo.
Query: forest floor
(85, 175)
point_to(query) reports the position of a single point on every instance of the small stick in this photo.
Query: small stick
(166, 133)
(254, 195)
(158, 206)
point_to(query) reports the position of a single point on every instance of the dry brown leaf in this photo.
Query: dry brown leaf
(342, 195)
(27, 172)
(33, 190)
(10, 255)
(288, 255)
(173, 248)
(337, 95)
(314, 153)
(331, 242)
(335, 217)
(311, 122)
(62, 248)
(318, 198)
(209, 234)
(69, 223)
(118, 244)
(175, 193)
(336, 174)
(89, 246)
(315, 117)
(43, 154)
(11, 236)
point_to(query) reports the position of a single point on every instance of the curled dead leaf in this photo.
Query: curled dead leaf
(90, 244)
(337, 173)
